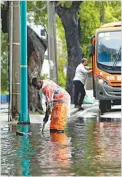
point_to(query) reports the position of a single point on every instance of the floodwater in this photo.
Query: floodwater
(89, 148)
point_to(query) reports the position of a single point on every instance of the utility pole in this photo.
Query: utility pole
(10, 36)
(16, 58)
(23, 115)
(52, 47)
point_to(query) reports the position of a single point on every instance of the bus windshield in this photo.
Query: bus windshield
(109, 48)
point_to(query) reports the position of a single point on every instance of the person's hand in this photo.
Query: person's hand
(90, 70)
(46, 118)
(48, 109)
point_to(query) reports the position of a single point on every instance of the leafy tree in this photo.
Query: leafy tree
(62, 53)
(76, 23)
(62, 72)
(113, 12)
(109, 11)
(89, 20)
(68, 13)
(37, 12)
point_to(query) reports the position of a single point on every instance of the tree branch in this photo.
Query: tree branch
(59, 9)
(76, 5)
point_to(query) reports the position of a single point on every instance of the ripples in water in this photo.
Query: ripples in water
(87, 148)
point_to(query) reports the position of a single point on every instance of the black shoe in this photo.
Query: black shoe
(77, 106)
(81, 108)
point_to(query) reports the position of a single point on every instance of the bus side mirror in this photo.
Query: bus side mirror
(92, 50)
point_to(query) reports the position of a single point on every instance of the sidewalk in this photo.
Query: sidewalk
(89, 93)
(37, 118)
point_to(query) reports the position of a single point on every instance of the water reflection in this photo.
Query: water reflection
(108, 146)
(54, 155)
(88, 148)
(25, 150)
(96, 146)
(59, 144)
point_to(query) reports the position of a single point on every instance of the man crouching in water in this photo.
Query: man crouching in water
(58, 104)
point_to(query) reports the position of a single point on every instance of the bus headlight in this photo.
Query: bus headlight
(102, 81)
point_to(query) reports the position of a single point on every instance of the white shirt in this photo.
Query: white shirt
(80, 73)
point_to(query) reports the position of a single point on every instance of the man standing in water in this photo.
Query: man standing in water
(58, 103)
(79, 82)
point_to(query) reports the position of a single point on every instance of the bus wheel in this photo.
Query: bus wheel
(105, 105)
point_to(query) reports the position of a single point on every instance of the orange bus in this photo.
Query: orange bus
(106, 63)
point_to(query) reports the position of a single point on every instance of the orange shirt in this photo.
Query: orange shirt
(54, 93)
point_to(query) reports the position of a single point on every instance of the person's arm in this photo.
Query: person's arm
(48, 93)
(89, 71)
(84, 70)
(45, 120)
(47, 113)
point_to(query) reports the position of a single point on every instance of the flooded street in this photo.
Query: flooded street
(88, 148)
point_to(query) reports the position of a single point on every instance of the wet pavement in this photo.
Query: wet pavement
(87, 148)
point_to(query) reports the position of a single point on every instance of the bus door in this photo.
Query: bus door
(92, 54)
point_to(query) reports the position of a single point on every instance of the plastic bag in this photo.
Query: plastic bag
(87, 100)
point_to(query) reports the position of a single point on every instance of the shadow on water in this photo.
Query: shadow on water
(88, 148)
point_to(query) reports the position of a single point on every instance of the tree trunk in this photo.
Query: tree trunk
(36, 49)
(70, 23)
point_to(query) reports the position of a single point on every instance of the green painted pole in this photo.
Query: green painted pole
(23, 115)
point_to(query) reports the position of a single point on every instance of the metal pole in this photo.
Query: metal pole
(55, 48)
(52, 41)
(23, 116)
(16, 58)
(49, 20)
(11, 57)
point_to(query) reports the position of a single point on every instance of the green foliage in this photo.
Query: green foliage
(38, 12)
(113, 12)
(44, 76)
(61, 72)
(90, 19)
(66, 3)
(4, 92)
(4, 62)
(62, 53)
(92, 14)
